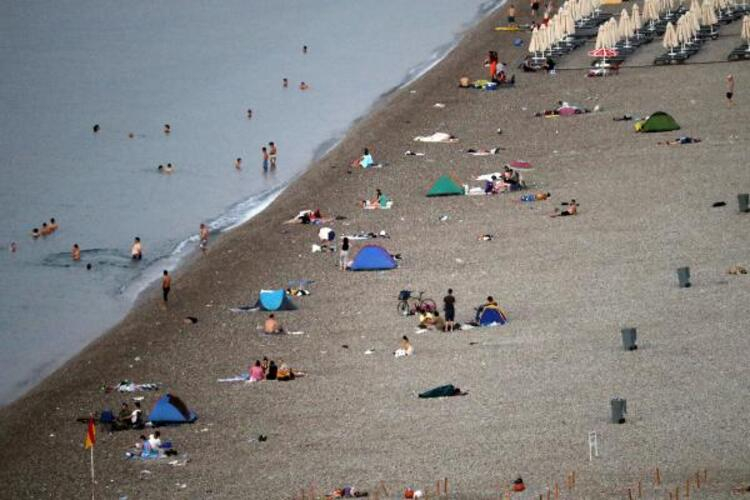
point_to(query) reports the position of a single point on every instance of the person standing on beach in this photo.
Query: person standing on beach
(166, 285)
(136, 251)
(512, 15)
(272, 154)
(344, 254)
(264, 151)
(75, 253)
(449, 307)
(203, 237)
(534, 8)
(730, 90)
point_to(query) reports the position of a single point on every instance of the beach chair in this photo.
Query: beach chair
(740, 53)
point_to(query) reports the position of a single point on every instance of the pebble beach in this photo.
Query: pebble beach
(536, 386)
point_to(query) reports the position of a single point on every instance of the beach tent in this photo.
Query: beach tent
(492, 316)
(657, 122)
(445, 186)
(171, 410)
(274, 300)
(372, 258)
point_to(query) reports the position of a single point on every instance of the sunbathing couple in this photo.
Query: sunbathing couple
(151, 447)
(309, 217)
(267, 370)
(378, 201)
(510, 180)
(127, 419)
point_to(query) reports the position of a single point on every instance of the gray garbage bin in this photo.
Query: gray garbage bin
(743, 200)
(619, 408)
(683, 275)
(628, 339)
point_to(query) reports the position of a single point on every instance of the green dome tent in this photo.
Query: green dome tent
(657, 122)
(445, 186)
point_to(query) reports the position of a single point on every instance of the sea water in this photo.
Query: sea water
(132, 67)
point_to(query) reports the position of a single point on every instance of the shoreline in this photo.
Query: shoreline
(536, 386)
(136, 290)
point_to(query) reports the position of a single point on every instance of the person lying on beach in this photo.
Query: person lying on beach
(271, 326)
(517, 485)
(680, 140)
(309, 217)
(285, 373)
(436, 322)
(346, 492)
(485, 152)
(436, 137)
(511, 177)
(485, 237)
(404, 348)
(572, 209)
(534, 197)
(623, 118)
(256, 372)
(412, 153)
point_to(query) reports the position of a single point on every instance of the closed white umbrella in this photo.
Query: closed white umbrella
(614, 36)
(635, 18)
(534, 42)
(570, 23)
(746, 30)
(670, 38)
(708, 14)
(624, 28)
(600, 37)
(695, 25)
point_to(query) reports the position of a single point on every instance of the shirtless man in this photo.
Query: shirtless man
(571, 210)
(46, 231)
(75, 253)
(166, 285)
(238, 163)
(136, 251)
(53, 225)
(271, 326)
(303, 86)
(167, 128)
(730, 90)
(272, 154)
(203, 237)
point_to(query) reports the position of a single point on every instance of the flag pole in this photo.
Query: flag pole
(92, 473)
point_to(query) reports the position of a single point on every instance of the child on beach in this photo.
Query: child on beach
(404, 349)
(166, 285)
(365, 160)
(203, 237)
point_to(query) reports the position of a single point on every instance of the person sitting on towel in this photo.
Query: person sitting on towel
(365, 161)
(136, 417)
(123, 418)
(256, 372)
(271, 326)
(404, 348)
(272, 371)
(435, 322)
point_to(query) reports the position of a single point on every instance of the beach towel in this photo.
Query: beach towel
(484, 152)
(413, 153)
(488, 177)
(388, 205)
(442, 391)
(237, 378)
(128, 386)
(436, 137)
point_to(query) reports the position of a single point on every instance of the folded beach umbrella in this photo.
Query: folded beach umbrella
(708, 14)
(570, 23)
(624, 29)
(746, 30)
(635, 18)
(695, 25)
(670, 38)
(534, 42)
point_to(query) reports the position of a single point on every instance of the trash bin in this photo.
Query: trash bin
(619, 408)
(628, 339)
(683, 275)
(743, 200)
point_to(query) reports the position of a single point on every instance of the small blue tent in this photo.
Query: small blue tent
(372, 258)
(492, 316)
(171, 410)
(274, 300)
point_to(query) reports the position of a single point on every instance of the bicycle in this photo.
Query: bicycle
(407, 304)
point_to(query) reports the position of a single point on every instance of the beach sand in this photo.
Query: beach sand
(536, 386)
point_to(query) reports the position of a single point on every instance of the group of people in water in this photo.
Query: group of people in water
(47, 229)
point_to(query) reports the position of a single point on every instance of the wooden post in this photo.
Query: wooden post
(630, 494)
(640, 489)
(698, 480)
(705, 475)
(657, 477)
(437, 487)
(670, 495)
(445, 485)
(557, 491)
(549, 492)
(677, 493)
(687, 488)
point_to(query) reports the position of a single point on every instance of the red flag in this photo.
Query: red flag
(90, 435)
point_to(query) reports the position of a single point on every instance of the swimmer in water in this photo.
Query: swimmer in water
(264, 151)
(169, 169)
(136, 251)
(52, 225)
(285, 83)
(131, 135)
(238, 163)
(13, 247)
(35, 233)
(304, 49)
(75, 253)
(249, 113)
(96, 128)
(272, 154)
(303, 86)
(45, 229)
(167, 128)
(160, 169)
